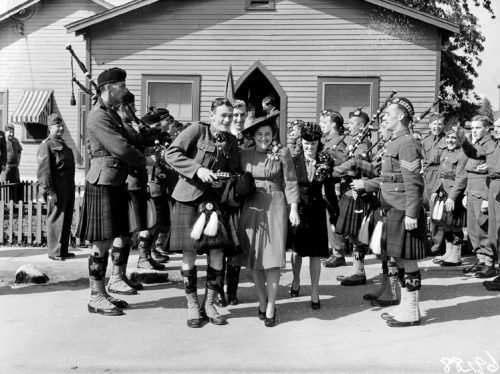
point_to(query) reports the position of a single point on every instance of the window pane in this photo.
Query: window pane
(2, 125)
(1, 98)
(176, 97)
(345, 98)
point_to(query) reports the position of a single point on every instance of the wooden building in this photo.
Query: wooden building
(310, 54)
(35, 74)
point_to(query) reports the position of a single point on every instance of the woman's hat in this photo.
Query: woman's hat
(311, 132)
(259, 122)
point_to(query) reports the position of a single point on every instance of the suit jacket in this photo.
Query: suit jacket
(110, 149)
(195, 147)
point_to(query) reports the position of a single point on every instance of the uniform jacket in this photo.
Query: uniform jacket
(3, 149)
(362, 148)
(56, 165)
(110, 150)
(451, 174)
(478, 154)
(432, 149)
(334, 145)
(400, 182)
(14, 150)
(194, 148)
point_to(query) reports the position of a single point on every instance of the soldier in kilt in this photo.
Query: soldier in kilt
(104, 215)
(404, 227)
(197, 154)
(353, 206)
(448, 192)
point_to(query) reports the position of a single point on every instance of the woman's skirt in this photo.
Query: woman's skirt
(104, 213)
(310, 238)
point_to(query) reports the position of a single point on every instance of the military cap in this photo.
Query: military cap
(54, 119)
(112, 75)
(336, 117)
(405, 104)
(297, 122)
(359, 113)
(150, 118)
(324, 112)
(311, 132)
(10, 126)
(163, 113)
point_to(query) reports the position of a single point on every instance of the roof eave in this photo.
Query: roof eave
(17, 9)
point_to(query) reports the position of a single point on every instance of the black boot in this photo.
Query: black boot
(221, 297)
(233, 279)
(145, 260)
(135, 285)
(98, 302)
(214, 284)
(191, 288)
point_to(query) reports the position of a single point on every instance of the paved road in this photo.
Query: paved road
(47, 329)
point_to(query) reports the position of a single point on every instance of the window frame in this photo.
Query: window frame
(270, 6)
(5, 108)
(194, 80)
(24, 139)
(373, 81)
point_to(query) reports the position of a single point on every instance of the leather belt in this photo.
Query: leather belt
(392, 178)
(447, 176)
(102, 153)
(268, 186)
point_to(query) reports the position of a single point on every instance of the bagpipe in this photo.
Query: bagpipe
(366, 129)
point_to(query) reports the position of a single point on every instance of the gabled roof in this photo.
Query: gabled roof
(11, 7)
(79, 27)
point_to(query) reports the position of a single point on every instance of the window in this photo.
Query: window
(347, 94)
(180, 94)
(83, 102)
(34, 132)
(3, 109)
(260, 5)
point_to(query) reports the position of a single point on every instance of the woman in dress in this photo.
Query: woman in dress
(264, 216)
(310, 238)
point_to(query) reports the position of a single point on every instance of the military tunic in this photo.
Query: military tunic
(11, 172)
(484, 150)
(432, 149)
(401, 186)
(56, 176)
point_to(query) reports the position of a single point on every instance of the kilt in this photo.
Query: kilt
(397, 241)
(455, 219)
(104, 213)
(351, 214)
(138, 199)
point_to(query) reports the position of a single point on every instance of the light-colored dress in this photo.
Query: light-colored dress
(264, 217)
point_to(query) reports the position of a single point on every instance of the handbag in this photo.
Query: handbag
(244, 185)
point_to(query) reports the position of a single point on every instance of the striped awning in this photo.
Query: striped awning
(34, 107)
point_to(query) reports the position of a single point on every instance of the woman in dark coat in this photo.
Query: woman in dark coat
(310, 238)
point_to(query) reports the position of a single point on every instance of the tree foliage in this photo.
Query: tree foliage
(486, 109)
(461, 55)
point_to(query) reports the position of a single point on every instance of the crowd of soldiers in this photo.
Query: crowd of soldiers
(389, 197)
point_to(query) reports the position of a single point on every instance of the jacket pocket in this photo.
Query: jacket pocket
(205, 153)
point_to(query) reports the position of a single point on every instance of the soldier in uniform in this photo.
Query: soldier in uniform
(433, 146)
(404, 232)
(104, 215)
(294, 135)
(353, 206)
(482, 160)
(14, 149)
(448, 189)
(332, 125)
(56, 176)
(197, 154)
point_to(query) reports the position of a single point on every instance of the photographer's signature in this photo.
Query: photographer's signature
(478, 366)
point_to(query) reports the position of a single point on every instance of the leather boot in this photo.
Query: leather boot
(334, 261)
(117, 302)
(116, 282)
(221, 301)
(383, 284)
(493, 285)
(449, 250)
(159, 257)
(135, 285)
(358, 264)
(390, 295)
(191, 288)
(161, 244)
(233, 279)
(409, 313)
(145, 260)
(455, 258)
(98, 302)
(214, 283)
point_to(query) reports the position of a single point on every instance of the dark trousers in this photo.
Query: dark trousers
(336, 241)
(59, 218)
(494, 217)
(478, 237)
(437, 232)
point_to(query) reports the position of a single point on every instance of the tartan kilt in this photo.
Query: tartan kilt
(104, 213)
(455, 219)
(351, 214)
(139, 199)
(398, 242)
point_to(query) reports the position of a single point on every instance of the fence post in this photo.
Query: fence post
(30, 222)
(38, 225)
(2, 213)
(20, 216)
(11, 221)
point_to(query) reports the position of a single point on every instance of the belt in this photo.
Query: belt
(447, 176)
(268, 186)
(493, 176)
(102, 153)
(392, 178)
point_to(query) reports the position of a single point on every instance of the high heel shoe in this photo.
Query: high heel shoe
(270, 322)
(315, 305)
(261, 315)
(294, 293)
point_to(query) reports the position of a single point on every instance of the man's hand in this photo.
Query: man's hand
(294, 217)
(206, 175)
(358, 184)
(484, 206)
(460, 133)
(410, 223)
(450, 205)
(52, 197)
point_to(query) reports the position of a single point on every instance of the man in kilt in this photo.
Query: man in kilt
(404, 230)
(104, 215)
(352, 205)
(197, 154)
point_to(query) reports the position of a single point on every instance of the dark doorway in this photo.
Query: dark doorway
(257, 83)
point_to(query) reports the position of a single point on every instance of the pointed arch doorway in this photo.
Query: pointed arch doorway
(255, 84)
